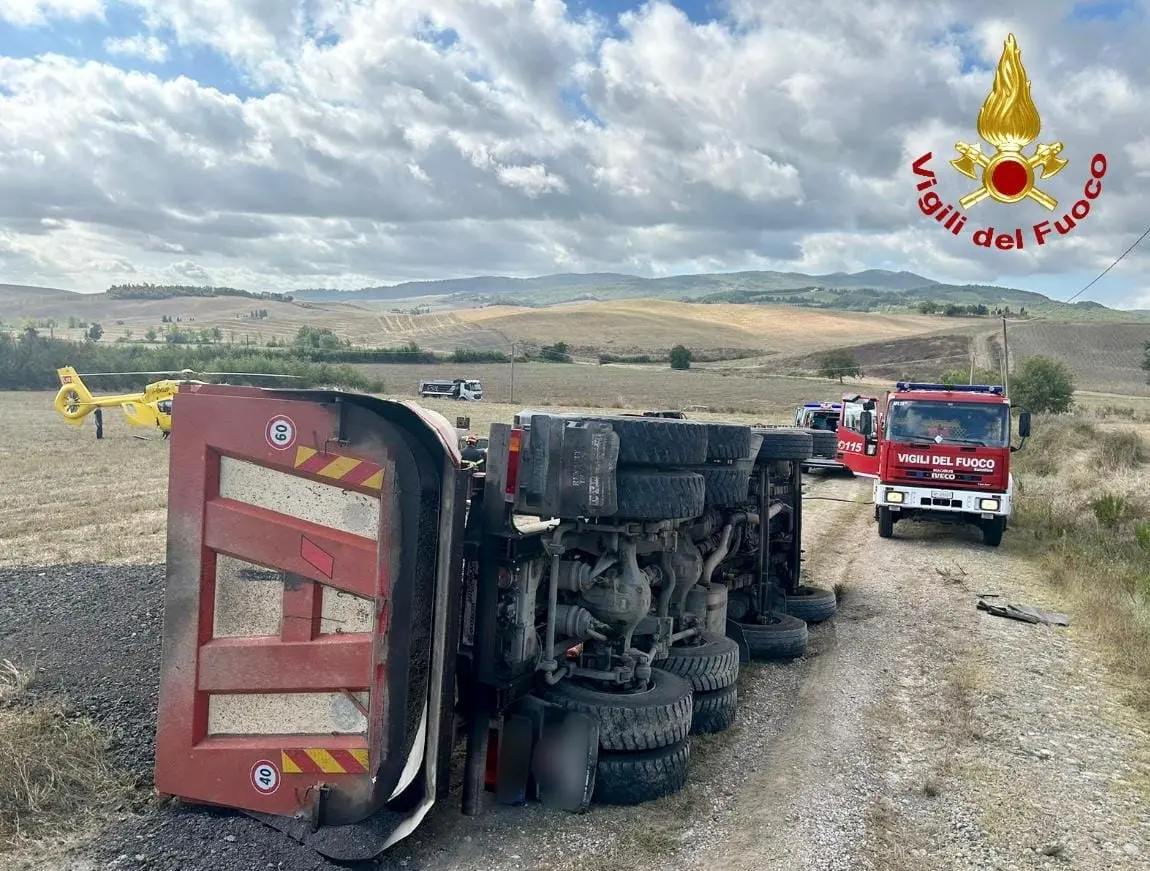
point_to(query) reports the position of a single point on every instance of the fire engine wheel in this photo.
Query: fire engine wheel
(812, 604)
(885, 522)
(992, 531)
(728, 442)
(726, 486)
(709, 665)
(823, 443)
(635, 778)
(785, 443)
(781, 636)
(659, 495)
(658, 441)
(715, 711)
(655, 717)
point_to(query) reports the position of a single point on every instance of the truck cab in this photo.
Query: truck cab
(822, 419)
(943, 454)
(465, 389)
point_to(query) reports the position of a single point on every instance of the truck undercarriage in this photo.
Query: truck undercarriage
(586, 604)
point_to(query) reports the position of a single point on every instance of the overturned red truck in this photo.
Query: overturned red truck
(346, 602)
(936, 452)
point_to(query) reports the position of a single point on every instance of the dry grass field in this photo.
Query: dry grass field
(621, 386)
(1083, 505)
(1103, 357)
(634, 326)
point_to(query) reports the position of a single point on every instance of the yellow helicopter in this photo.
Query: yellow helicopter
(151, 407)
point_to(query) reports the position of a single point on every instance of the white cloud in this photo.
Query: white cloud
(147, 47)
(39, 12)
(392, 141)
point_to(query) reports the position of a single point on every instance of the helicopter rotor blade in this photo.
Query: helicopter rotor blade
(252, 374)
(164, 372)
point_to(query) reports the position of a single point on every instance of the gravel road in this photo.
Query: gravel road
(916, 733)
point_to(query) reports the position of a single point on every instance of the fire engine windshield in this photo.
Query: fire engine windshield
(954, 422)
(827, 421)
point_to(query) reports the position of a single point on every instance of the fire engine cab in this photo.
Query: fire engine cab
(936, 452)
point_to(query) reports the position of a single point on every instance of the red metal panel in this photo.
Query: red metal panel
(246, 771)
(303, 609)
(268, 665)
(276, 540)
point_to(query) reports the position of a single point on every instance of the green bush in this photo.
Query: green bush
(681, 357)
(1042, 385)
(1142, 534)
(1110, 510)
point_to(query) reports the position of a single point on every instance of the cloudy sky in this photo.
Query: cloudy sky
(277, 144)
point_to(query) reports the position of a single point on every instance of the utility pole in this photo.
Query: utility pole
(512, 397)
(1005, 360)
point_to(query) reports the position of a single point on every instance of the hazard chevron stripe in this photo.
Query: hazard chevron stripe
(337, 467)
(321, 761)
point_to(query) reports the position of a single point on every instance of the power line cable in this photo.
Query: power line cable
(1111, 266)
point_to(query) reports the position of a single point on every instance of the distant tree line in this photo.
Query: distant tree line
(975, 310)
(169, 291)
(30, 361)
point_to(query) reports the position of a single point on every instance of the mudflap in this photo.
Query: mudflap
(359, 842)
(735, 632)
(564, 756)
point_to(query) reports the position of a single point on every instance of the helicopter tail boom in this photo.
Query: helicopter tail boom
(73, 401)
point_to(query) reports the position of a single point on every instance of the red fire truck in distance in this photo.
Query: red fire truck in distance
(936, 452)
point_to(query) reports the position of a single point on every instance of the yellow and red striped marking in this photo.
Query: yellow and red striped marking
(337, 467)
(319, 761)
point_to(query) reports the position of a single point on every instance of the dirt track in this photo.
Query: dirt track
(918, 733)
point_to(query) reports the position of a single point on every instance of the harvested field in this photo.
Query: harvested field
(617, 386)
(635, 326)
(1102, 357)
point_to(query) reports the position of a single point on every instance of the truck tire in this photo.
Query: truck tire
(780, 637)
(812, 604)
(823, 443)
(650, 495)
(885, 522)
(710, 665)
(657, 717)
(725, 486)
(658, 441)
(992, 531)
(635, 778)
(715, 711)
(784, 443)
(727, 441)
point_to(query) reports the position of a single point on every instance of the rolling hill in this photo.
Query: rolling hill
(870, 290)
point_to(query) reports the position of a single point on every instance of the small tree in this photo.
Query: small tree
(1042, 385)
(681, 357)
(151, 334)
(94, 332)
(839, 364)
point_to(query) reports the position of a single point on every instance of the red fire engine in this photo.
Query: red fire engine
(936, 452)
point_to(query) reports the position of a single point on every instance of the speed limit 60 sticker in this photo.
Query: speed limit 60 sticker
(280, 432)
(265, 777)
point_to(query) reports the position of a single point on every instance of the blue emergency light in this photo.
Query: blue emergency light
(954, 388)
(836, 405)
